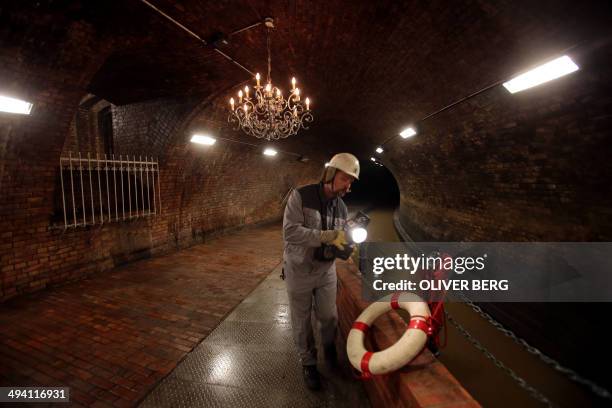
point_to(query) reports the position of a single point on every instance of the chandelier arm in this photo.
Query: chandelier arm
(306, 119)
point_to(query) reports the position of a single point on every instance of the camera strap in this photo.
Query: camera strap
(323, 212)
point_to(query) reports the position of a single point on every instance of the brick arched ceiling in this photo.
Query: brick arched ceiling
(370, 67)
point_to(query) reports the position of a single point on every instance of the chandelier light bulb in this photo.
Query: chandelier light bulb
(278, 93)
(293, 81)
(257, 77)
(232, 103)
(307, 104)
(246, 91)
(240, 95)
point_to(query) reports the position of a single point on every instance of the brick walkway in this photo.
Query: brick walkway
(112, 337)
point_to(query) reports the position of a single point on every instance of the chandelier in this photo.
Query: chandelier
(265, 113)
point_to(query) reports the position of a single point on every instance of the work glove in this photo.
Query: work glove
(335, 238)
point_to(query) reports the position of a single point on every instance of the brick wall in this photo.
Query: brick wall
(533, 166)
(528, 166)
(84, 132)
(50, 61)
(203, 192)
(53, 75)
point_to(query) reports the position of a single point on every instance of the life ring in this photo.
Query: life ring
(404, 350)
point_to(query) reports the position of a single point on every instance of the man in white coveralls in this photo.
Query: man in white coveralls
(314, 222)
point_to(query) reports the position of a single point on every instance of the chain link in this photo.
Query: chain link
(534, 393)
(571, 374)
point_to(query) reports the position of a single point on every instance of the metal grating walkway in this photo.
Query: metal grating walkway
(249, 360)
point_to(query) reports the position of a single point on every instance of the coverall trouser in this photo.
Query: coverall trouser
(314, 291)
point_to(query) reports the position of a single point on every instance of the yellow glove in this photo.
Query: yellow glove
(334, 237)
(328, 236)
(340, 241)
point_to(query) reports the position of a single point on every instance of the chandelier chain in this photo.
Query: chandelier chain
(263, 111)
(269, 42)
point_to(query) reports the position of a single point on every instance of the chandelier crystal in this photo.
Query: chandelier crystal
(264, 112)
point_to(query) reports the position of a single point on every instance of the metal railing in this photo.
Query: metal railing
(126, 189)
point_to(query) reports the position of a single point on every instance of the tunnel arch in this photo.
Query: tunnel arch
(377, 187)
(527, 167)
(158, 92)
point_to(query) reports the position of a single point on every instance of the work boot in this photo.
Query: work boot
(331, 355)
(311, 377)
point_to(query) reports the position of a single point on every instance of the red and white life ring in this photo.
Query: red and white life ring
(401, 353)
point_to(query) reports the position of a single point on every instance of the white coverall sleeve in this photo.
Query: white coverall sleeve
(294, 231)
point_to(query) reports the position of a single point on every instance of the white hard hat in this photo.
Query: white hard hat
(347, 163)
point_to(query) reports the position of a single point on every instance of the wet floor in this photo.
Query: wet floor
(249, 360)
(488, 384)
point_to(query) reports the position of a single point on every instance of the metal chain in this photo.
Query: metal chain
(571, 374)
(269, 55)
(534, 393)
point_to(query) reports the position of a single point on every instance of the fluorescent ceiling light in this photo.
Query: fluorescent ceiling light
(270, 152)
(379, 149)
(12, 105)
(408, 132)
(544, 73)
(203, 139)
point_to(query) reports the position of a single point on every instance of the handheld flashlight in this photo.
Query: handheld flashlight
(357, 233)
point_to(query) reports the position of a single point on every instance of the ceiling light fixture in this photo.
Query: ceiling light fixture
(265, 113)
(379, 149)
(12, 105)
(203, 139)
(541, 74)
(408, 132)
(270, 152)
